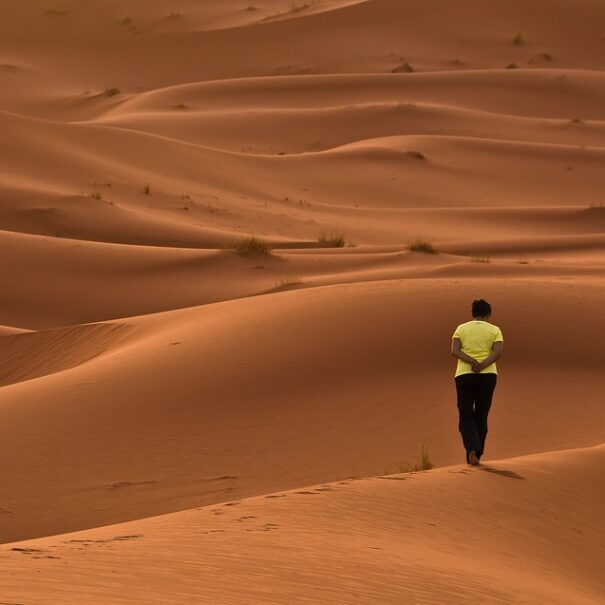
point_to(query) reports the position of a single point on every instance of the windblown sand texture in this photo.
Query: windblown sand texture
(182, 423)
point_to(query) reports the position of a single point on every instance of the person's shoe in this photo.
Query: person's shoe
(472, 458)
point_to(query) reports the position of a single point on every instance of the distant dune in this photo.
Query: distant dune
(168, 394)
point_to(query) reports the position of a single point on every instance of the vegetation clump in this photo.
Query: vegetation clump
(403, 68)
(424, 463)
(479, 258)
(112, 92)
(518, 40)
(422, 245)
(252, 246)
(332, 239)
(288, 280)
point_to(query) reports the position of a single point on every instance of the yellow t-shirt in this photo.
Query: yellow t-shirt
(476, 338)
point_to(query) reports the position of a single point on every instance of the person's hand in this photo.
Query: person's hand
(477, 366)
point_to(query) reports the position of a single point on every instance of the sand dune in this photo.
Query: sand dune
(365, 541)
(147, 367)
(230, 400)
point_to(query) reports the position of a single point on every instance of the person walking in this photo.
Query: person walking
(477, 344)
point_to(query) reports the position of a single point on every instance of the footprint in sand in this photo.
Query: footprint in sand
(125, 484)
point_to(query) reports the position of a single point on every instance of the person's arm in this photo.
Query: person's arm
(457, 352)
(495, 354)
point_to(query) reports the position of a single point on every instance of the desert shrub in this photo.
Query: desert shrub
(422, 245)
(518, 40)
(512, 66)
(403, 68)
(424, 462)
(288, 280)
(112, 92)
(146, 189)
(332, 239)
(479, 258)
(54, 12)
(416, 155)
(252, 246)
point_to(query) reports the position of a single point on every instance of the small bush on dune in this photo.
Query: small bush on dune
(332, 239)
(288, 280)
(416, 155)
(54, 12)
(424, 463)
(422, 245)
(512, 66)
(403, 68)
(147, 190)
(253, 246)
(479, 258)
(518, 40)
(112, 92)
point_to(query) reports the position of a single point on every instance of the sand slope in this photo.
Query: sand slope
(201, 405)
(451, 535)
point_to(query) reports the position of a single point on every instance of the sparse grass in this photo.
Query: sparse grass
(479, 258)
(288, 280)
(112, 92)
(54, 12)
(95, 195)
(424, 462)
(403, 68)
(332, 239)
(146, 189)
(294, 8)
(422, 245)
(519, 40)
(252, 246)
(416, 155)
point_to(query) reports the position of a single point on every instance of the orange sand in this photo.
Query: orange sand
(171, 400)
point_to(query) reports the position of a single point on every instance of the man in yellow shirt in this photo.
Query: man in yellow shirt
(477, 344)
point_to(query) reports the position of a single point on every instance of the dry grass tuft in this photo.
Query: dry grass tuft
(403, 68)
(422, 245)
(252, 246)
(332, 239)
(424, 463)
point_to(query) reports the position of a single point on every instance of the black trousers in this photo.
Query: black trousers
(475, 392)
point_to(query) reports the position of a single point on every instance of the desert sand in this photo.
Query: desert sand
(184, 423)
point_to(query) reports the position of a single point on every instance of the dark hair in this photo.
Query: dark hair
(481, 308)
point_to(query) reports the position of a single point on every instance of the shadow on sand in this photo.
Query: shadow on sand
(500, 471)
